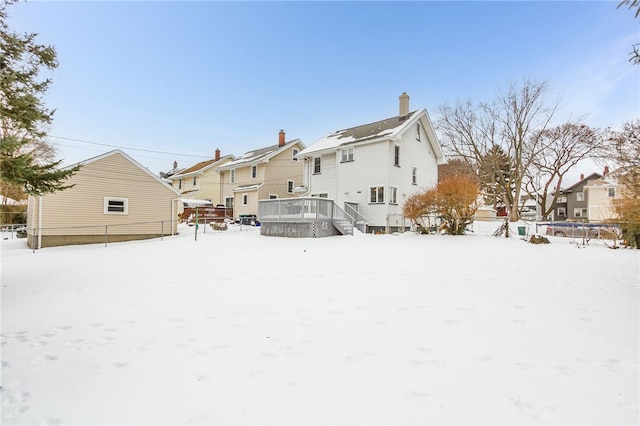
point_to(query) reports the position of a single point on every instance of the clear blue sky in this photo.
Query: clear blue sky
(190, 77)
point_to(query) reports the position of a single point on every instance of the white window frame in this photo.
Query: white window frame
(195, 180)
(396, 155)
(107, 205)
(289, 187)
(562, 199)
(579, 196)
(245, 199)
(317, 165)
(294, 152)
(611, 192)
(254, 171)
(228, 202)
(562, 212)
(577, 212)
(414, 176)
(378, 192)
(232, 176)
(179, 183)
(393, 195)
(418, 137)
(346, 155)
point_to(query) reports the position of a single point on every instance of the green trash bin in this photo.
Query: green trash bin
(521, 230)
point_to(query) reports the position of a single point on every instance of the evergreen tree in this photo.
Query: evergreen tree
(25, 157)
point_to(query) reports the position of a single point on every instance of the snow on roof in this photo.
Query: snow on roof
(6, 201)
(258, 155)
(366, 132)
(248, 187)
(195, 203)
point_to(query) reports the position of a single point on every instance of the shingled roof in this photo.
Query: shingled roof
(200, 167)
(259, 155)
(362, 133)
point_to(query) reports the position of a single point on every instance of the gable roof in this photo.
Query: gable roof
(610, 179)
(134, 162)
(389, 128)
(262, 155)
(582, 181)
(201, 167)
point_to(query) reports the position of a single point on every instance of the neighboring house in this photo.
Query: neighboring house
(266, 173)
(601, 193)
(201, 181)
(572, 202)
(113, 198)
(373, 168)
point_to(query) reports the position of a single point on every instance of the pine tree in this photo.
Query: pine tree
(25, 157)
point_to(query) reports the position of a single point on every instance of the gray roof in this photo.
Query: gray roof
(258, 155)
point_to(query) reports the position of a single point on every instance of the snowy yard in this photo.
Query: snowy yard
(236, 328)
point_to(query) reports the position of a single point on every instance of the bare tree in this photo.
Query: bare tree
(561, 148)
(512, 124)
(634, 55)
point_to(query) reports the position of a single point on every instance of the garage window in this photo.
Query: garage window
(116, 205)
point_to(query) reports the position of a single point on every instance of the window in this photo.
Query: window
(254, 172)
(322, 195)
(418, 132)
(377, 194)
(273, 197)
(393, 195)
(347, 155)
(611, 192)
(294, 152)
(414, 176)
(580, 212)
(228, 202)
(195, 181)
(579, 196)
(180, 184)
(562, 212)
(290, 187)
(114, 205)
(396, 156)
(562, 199)
(245, 199)
(232, 176)
(316, 165)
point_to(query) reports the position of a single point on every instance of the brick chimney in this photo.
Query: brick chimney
(404, 104)
(217, 157)
(281, 138)
(605, 171)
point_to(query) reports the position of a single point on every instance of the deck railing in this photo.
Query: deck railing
(305, 210)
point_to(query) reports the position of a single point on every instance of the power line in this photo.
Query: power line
(127, 147)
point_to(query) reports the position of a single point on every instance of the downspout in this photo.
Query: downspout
(306, 160)
(39, 221)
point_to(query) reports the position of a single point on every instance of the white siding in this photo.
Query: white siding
(373, 165)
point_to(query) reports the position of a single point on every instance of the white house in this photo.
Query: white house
(373, 168)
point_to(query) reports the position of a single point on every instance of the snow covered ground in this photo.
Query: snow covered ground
(236, 328)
